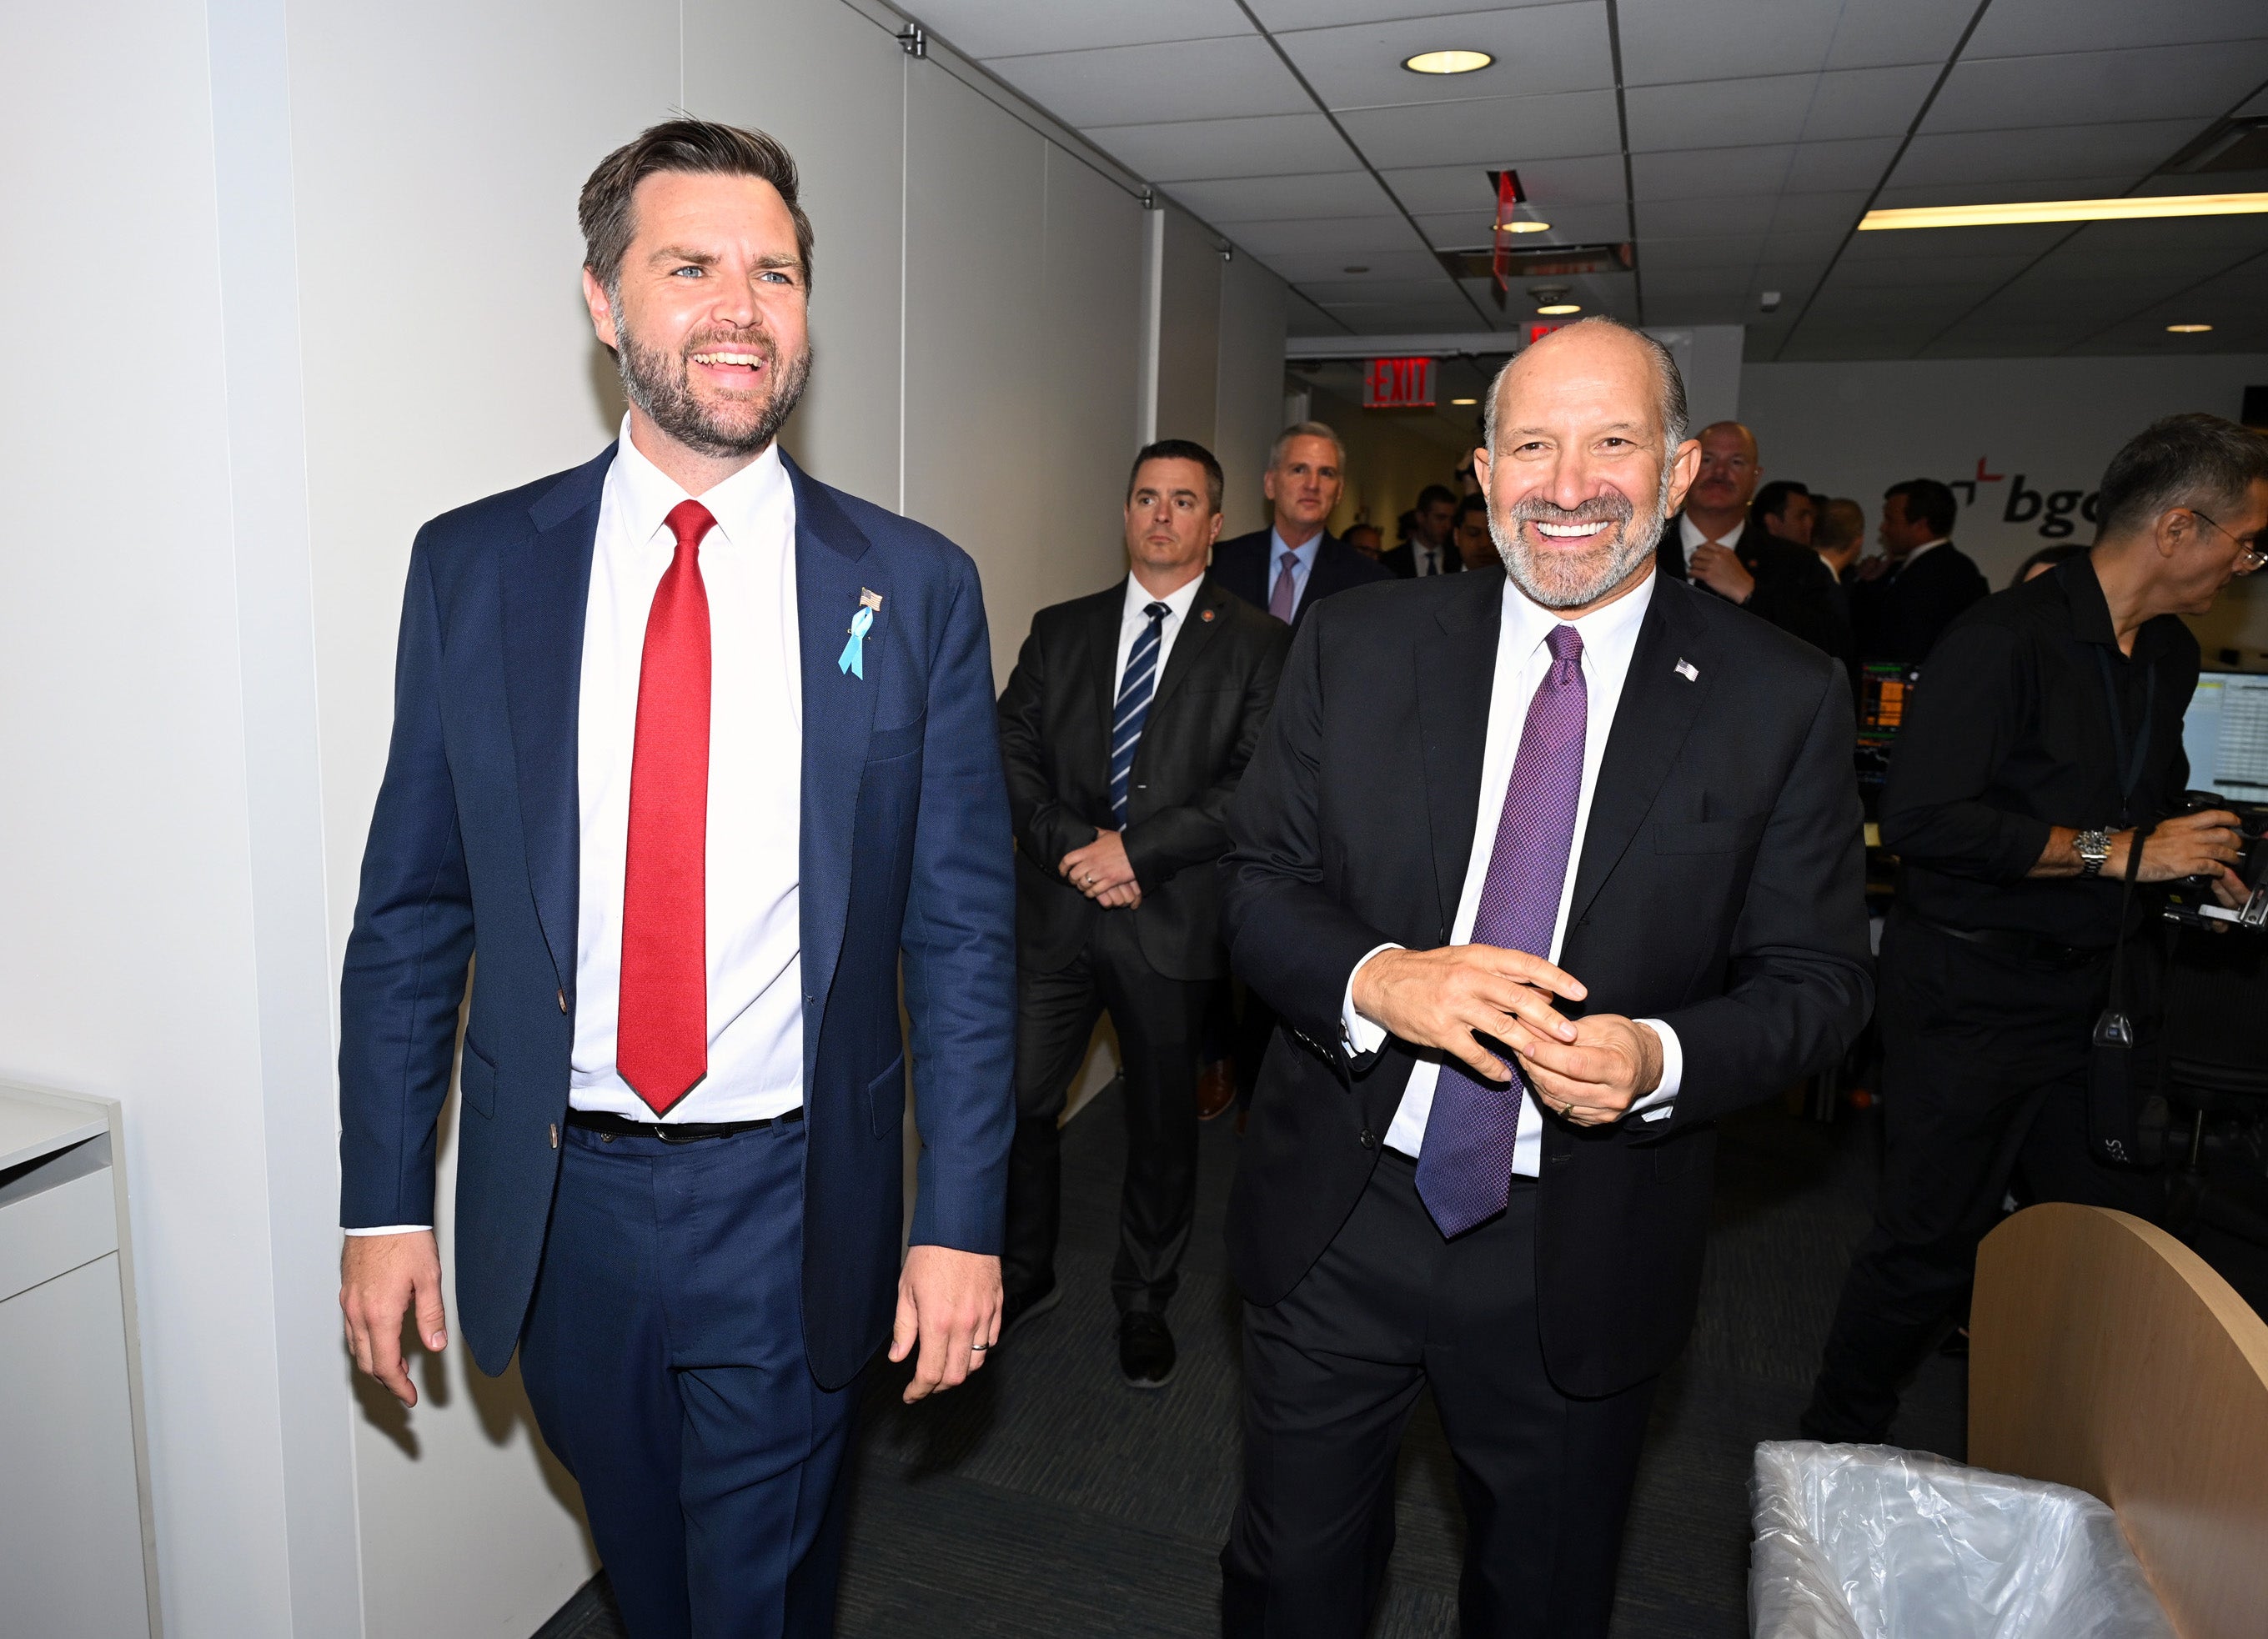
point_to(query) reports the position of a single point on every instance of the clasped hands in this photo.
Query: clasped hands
(1102, 872)
(1588, 1070)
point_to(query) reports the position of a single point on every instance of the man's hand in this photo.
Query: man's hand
(1099, 868)
(1441, 998)
(380, 1278)
(1873, 566)
(949, 1301)
(1612, 1064)
(2187, 845)
(1720, 569)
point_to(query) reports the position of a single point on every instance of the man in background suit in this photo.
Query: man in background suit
(1716, 543)
(1295, 561)
(690, 832)
(1786, 511)
(1904, 600)
(1428, 551)
(1476, 546)
(1126, 725)
(1480, 1156)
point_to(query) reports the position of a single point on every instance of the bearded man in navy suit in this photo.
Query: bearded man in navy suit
(692, 750)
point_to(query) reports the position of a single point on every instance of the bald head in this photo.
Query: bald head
(1727, 479)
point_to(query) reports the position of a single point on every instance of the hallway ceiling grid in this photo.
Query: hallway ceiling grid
(1736, 143)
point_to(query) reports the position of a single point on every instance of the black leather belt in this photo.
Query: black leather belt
(607, 1124)
(2028, 948)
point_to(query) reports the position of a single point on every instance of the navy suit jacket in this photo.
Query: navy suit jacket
(474, 845)
(1241, 564)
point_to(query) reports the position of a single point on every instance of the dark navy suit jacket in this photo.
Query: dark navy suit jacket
(474, 845)
(1241, 564)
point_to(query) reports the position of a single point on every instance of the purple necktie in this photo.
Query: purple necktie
(1465, 1170)
(1280, 598)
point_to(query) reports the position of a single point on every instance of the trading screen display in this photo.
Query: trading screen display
(2224, 734)
(1885, 690)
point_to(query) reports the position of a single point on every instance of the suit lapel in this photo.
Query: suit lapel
(834, 568)
(545, 577)
(1102, 660)
(1456, 665)
(1189, 643)
(1657, 709)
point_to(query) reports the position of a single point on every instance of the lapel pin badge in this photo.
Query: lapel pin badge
(1206, 616)
(1685, 670)
(854, 653)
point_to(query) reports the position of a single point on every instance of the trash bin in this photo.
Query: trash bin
(1872, 1542)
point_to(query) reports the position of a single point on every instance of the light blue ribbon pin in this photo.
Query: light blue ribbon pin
(854, 653)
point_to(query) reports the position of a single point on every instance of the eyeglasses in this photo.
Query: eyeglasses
(2250, 558)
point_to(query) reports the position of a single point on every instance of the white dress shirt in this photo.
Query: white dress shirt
(1523, 659)
(1421, 564)
(1303, 564)
(755, 787)
(1689, 536)
(1131, 620)
(1907, 561)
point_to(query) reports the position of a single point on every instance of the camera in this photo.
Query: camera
(2190, 899)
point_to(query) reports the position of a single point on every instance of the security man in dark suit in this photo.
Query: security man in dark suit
(1720, 544)
(1295, 563)
(1903, 601)
(1480, 1156)
(2043, 742)
(1125, 727)
(1429, 551)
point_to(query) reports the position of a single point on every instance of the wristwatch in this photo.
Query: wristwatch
(2093, 848)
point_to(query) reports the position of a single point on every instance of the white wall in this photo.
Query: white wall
(338, 244)
(1248, 391)
(2052, 424)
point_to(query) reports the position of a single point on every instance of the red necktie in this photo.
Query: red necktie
(661, 1043)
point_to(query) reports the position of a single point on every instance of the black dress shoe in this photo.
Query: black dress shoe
(1146, 1350)
(1022, 1306)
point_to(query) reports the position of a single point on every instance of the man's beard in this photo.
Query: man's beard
(1562, 579)
(661, 385)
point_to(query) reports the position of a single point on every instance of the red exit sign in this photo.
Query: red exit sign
(1398, 384)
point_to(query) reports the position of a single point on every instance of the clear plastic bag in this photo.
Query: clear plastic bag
(1872, 1542)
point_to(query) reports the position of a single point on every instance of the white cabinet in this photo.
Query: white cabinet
(76, 1549)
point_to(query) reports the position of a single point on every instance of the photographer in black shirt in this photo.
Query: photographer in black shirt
(2043, 740)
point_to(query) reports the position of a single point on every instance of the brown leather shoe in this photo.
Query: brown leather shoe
(1215, 1088)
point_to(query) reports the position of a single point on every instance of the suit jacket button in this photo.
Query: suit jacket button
(563, 1000)
(1369, 1139)
(555, 1135)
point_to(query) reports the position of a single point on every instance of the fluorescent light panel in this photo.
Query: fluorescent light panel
(2066, 210)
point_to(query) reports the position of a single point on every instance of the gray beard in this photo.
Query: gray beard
(661, 385)
(1561, 580)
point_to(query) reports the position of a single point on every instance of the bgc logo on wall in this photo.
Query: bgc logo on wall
(2055, 512)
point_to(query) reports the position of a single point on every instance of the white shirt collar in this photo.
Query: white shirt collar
(1690, 532)
(1942, 540)
(1527, 623)
(751, 507)
(1138, 599)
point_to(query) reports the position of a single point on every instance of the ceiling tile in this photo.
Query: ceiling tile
(1490, 131)
(993, 28)
(1551, 184)
(1351, 238)
(1856, 162)
(1868, 102)
(1987, 270)
(1819, 213)
(1142, 85)
(2025, 27)
(1404, 290)
(1720, 250)
(1924, 244)
(1911, 31)
(2161, 83)
(1188, 151)
(1545, 48)
(1281, 198)
(1288, 14)
(1706, 171)
(1665, 42)
(1746, 213)
(1305, 267)
(2042, 153)
(1780, 108)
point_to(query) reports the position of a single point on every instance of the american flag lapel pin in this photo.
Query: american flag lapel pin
(1685, 670)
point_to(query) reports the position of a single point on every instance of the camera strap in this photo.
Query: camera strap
(2110, 1112)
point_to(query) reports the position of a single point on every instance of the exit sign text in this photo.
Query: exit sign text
(1398, 384)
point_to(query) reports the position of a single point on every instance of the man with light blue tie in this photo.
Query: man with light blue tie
(1125, 727)
(1296, 562)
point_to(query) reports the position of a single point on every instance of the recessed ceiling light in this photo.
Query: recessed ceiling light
(1357, 267)
(2067, 210)
(2189, 329)
(1447, 62)
(1464, 400)
(1525, 226)
(1555, 309)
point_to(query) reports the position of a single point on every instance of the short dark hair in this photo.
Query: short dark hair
(1841, 522)
(696, 148)
(1181, 450)
(1927, 502)
(1472, 504)
(2174, 461)
(1772, 500)
(2049, 556)
(1432, 494)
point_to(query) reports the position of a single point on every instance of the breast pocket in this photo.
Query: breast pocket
(1709, 836)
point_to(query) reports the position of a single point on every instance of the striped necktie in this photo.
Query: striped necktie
(1134, 692)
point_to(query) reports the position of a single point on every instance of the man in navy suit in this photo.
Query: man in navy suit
(692, 749)
(1306, 472)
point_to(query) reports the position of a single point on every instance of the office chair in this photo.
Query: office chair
(2214, 1067)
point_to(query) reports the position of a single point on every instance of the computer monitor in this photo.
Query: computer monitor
(2225, 733)
(1885, 689)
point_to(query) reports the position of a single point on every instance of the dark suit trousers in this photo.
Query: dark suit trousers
(1331, 1374)
(1984, 1083)
(664, 1357)
(1159, 1021)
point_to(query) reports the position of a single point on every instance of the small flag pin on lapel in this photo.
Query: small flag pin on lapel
(869, 599)
(1685, 670)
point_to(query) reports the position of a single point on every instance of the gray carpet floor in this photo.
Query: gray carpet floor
(1047, 1498)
